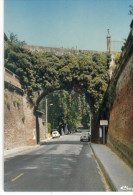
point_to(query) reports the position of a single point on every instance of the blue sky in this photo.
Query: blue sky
(68, 23)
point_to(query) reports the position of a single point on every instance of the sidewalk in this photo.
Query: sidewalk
(23, 149)
(117, 173)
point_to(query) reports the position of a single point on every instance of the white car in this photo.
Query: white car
(55, 134)
(85, 136)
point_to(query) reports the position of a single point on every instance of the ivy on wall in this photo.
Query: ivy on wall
(38, 71)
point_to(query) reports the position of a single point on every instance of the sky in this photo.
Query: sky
(80, 24)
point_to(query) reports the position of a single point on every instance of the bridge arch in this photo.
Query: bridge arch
(85, 74)
(44, 72)
(88, 100)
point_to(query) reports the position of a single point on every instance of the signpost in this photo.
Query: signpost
(100, 132)
(103, 123)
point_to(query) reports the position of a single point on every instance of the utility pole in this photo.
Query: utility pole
(46, 133)
(90, 125)
(46, 119)
(90, 122)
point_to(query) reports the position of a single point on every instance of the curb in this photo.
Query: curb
(22, 151)
(44, 141)
(107, 177)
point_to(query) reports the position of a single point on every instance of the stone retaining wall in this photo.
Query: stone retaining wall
(19, 120)
(120, 131)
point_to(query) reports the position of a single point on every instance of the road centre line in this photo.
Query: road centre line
(17, 177)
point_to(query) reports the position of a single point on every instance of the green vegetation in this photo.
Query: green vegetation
(5, 93)
(23, 118)
(68, 108)
(49, 127)
(6, 101)
(8, 105)
(131, 10)
(111, 92)
(85, 73)
(118, 55)
(108, 100)
(18, 101)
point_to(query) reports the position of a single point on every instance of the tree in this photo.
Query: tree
(13, 38)
(131, 10)
(85, 72)
(65, 110)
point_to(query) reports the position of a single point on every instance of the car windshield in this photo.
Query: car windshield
(84, 133)
(55, 132)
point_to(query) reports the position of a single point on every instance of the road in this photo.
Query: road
(63, 164)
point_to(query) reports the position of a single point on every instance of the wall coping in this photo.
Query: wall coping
(10, 72)
(12, 80)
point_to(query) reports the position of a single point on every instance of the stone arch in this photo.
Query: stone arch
(89, 100)
(86, 73)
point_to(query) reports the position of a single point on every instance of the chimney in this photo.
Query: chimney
(108, 42)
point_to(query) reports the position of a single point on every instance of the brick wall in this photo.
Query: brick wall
(120, 131)
(19, 121)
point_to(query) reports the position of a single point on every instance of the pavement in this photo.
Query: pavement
(117, 173)
(23, 149)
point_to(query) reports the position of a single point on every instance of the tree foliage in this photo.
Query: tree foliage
(131, 10)
(85, 72)
(68, 108)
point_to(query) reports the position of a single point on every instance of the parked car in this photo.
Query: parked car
(55, 134)
(85, 136)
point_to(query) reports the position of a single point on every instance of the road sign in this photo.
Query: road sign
(104, 122)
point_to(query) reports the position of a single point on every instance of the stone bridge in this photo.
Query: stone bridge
(120, 115)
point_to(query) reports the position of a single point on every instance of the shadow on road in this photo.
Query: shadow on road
(63, 142)
(52, 172)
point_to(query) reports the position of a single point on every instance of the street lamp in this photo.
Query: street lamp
(90, 123)
(47, 115)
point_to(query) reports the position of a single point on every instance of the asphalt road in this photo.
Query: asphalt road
(63, 164)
